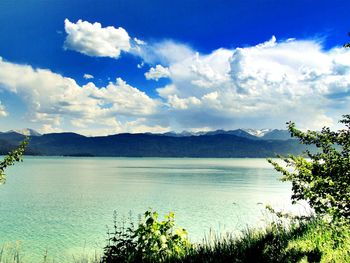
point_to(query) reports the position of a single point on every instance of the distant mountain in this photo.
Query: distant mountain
(239, 132)
(253, 134)
(183, 134)
(11, 137)
(9, 140)
(26, 132)
(220, 144)
(257, 133)
(277, 135)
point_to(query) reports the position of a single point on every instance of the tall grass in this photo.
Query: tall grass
(10, 253)
(283, 240)
(308, 241)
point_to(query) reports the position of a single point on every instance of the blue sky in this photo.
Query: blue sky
(172, 65)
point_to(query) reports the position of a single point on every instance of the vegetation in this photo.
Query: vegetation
(323, 180)
(311, 240)
(11, 158)
(290, 239)
(9, 253)
(150, 241)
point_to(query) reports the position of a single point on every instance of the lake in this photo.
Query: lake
(62, 205)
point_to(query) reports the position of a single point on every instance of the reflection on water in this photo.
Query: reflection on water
(64, 204)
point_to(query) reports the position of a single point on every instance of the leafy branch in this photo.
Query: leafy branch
(11, 158)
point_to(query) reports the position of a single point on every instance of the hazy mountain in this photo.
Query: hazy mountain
(239, 132)
(11, 137)
(183, 134)
(263, 134)
(26, 132)
(222, 144)
(277, 135)
(257, 132)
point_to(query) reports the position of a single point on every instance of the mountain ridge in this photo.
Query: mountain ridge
(220, 144)
(270, 134)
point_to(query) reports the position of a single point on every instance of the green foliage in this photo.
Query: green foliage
(11, 158)
(150, 241)
(322, 179)
(298, 241)
(322, 241)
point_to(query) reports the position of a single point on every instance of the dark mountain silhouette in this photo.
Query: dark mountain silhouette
(226, 144)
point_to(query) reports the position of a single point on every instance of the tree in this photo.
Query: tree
(11, 158)
(322, 179)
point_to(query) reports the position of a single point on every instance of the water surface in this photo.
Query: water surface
(63, 205)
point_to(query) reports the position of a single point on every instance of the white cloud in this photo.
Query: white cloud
(141, 65)
(53, 100)
(157, 73)
(164, 52)
(183, 103)
(142, 125)
(47, 128)
(260, 86)
(88, 76)
(95, 40)
(251, 87)
(166, 91)
(139, 41)
(3, 112)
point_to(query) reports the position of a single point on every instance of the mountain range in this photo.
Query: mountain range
(253, 134)
(220, 143)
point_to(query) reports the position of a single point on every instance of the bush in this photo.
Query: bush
(322, 179)
(150, 241)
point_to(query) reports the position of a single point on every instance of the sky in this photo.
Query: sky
(105, 67)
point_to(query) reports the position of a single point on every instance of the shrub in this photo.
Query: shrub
(150, 241)
(322, 179)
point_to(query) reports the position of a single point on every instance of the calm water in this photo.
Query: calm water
(63, 205)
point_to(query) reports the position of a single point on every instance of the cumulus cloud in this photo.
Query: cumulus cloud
(54, 100)
(88, 76)
(95, 40)
(157, 73)
(260, 86)
(251, 87)
(183, 103)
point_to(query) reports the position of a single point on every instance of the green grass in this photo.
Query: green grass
(329, 241)
(10, 253)
(313, 241)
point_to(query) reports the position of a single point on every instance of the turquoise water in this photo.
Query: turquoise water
(62, 205)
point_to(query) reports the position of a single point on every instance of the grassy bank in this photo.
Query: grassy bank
(284, 240)
(312, 240)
